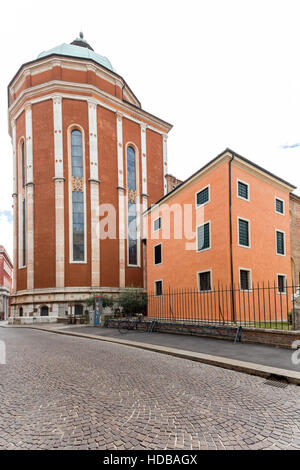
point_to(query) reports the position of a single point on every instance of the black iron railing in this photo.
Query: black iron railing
(265, 305)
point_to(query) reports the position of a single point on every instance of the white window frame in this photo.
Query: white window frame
(250, 279)
(281, 231)
(158, 280)
(198, 280)
(237, 190)
(204, 203)
(157, 264)
(201, 225)
(156, 230)
(283, 201)
(285, 283)
(71, 128)
(138, 231)
(249, 232)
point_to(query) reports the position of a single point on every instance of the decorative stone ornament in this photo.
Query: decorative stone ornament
(77, 184)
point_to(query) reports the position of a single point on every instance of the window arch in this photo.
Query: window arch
(77, 200)
(44, 311)
(132, 210)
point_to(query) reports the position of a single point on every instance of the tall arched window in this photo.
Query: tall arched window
(132, 213)
(77, 195)
(23, 164)
(22, 205)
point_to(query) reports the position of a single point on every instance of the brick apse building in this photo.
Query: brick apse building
(80, 140)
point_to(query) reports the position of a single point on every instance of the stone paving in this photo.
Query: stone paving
(59, 392)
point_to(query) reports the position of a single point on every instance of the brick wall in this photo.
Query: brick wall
(172, 182)
(279, 338)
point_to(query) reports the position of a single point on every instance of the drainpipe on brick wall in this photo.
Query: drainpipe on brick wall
(230, 226)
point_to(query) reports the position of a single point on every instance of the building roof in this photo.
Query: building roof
(214, 160)
(79, 48)
(4, 252)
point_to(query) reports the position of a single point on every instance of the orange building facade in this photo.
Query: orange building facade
(227, 225)
(6, 270)
(83, 150)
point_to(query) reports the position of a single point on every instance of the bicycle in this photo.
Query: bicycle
(125, 325)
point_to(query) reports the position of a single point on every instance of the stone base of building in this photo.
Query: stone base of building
(31, 320)
(54, 305)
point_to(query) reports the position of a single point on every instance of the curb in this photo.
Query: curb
(218, 361)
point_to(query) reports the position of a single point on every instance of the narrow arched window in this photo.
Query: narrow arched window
(132, 213)
(77, 195)
(22, 205)
(23, 164)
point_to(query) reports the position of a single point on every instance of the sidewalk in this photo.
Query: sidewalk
(265, 361)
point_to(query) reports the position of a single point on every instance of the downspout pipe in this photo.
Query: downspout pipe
(231, 256)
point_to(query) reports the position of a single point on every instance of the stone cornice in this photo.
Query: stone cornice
(93, 180)
(83, 90)
(43, 64)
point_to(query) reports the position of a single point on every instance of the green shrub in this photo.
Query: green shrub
(133, 301)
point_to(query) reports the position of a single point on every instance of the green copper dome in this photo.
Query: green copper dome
(81, 49)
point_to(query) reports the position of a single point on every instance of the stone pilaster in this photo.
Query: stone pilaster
(165, 160)
(15, 207)
(121, 197)
(122, 234)
(29, 199)
(29, 145)
(15, 241)
(59, 232)
(59, 193)
(30, 234)
(95, 244)
(94, 194)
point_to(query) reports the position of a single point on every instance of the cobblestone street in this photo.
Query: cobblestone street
(59, 392)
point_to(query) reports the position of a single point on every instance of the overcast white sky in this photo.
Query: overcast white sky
(225, 73)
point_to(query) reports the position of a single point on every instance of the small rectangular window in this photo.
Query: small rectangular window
(157, 254)
(203, 237)
(204, 281)
(243, 190)
(202, 197)
(158, 288)
(157, 224)
(281, 283)
(279, 206)
(245, 281)
(280, 244)
(243, 232)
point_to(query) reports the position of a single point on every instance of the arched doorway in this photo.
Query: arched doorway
(44, 311)
(21, 312)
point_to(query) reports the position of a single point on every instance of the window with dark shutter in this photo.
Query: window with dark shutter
(203, 196)
(280, 242)
(281, 282)
(245, 279)
(204, 281)
(203, 237)
(243, 190)
(157, 254)
(279, 206)
(243, 232)
(157, 224)
(158, 288)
